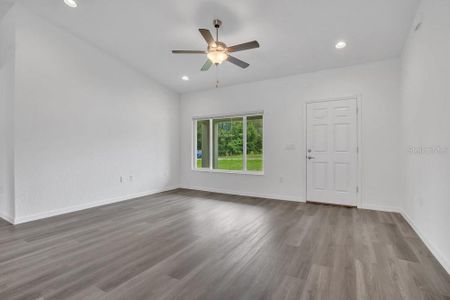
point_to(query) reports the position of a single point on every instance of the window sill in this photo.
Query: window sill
(254, 173)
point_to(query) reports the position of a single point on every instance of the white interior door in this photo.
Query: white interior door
(331, 140)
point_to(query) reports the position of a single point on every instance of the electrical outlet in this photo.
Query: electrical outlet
(121, 179)
(130, 178)
(281, 179)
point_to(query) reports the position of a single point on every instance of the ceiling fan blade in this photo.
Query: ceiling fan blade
(207, 65)
(244, 46)
(188, 52)
(237, 62)
(207, 36)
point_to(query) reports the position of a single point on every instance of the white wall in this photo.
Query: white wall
(283, 101)
(5, 6)
(426, 123)
(82, 120)
(7, 38)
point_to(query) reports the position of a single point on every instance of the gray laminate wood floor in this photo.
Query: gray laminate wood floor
(195, 245)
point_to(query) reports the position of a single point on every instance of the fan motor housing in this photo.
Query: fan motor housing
(219, 46)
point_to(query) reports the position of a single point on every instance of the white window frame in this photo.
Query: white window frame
(244, 137)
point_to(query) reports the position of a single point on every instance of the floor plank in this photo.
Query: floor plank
(188, 244)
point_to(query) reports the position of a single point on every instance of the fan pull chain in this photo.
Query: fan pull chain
(217, 76)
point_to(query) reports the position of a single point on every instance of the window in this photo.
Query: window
(202, 152)
(229, 143)
(254, 143)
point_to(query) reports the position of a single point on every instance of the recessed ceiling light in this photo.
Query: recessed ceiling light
(71, 3)
(341, 44)
(185, 78)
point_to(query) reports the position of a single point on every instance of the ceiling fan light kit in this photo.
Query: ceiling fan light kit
(217, 52)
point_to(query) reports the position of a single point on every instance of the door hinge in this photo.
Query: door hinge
(357, 189)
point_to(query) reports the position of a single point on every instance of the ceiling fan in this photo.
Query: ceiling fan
(217, 51)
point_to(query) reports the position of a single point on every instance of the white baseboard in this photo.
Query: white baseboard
(7, 218)
(380, 208)
(56, 212)
(432, 247)
(246, 194)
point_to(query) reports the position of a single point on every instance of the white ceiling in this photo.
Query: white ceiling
(296, 36)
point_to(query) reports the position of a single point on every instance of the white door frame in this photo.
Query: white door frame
(359, 178)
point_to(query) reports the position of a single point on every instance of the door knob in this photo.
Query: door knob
(310, 157)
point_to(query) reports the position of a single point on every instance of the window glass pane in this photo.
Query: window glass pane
(228, 144)
(202, 153)
(255, 143)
